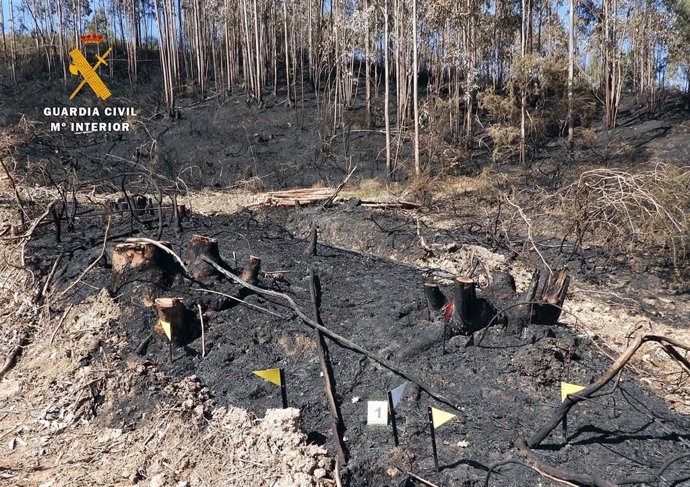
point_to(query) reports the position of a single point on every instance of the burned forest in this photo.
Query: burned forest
(358, 243)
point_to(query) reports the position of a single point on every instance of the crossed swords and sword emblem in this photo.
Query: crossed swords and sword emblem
(81, 66)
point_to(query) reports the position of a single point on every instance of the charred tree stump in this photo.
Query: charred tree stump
(470, 313)
(184, 326)
(544, 298)
(435, 300)
(199, 247)
(250, 274)
(311, 248)
(176, 216)
(143, 268)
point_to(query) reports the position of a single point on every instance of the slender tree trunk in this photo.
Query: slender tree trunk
(367, 80)
(523, 86)
(2, 28)
(61, 37)
(415, 89)
(258, 55)
(13, 53)
(386, 89)
(571, 71)
(287, 51)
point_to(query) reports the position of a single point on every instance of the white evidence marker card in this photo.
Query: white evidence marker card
(377, 412)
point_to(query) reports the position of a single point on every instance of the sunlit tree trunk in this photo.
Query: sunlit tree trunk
(415, 89)
(13, 53)
(523, 86)
(386, 95)
(571, 71)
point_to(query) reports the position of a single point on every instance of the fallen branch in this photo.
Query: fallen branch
(46, 285)
(35, 224)
(339, 339)
(416, 477)
(655, 478)
(340, 187)
(327, 372)
(14, 353)
(562, 476)
(242, 302)
(59, 325)
(587, 392)
(404, 205)
(511, 461)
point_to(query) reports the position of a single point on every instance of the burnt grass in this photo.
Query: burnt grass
(506, 386)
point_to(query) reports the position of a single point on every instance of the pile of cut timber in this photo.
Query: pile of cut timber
(305, 196)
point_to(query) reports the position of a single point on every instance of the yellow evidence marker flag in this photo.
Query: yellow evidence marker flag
(271, 375)
(439, 417)
(167, 329)
(567, 389)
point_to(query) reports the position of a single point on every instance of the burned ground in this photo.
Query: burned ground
(80, 393)
(504, 387)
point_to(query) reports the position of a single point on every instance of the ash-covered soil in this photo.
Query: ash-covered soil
(504, 388)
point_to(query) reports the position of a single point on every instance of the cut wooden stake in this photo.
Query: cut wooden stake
(176, 216)
(394, 425)
(203, 334)
(433, 438)
(283, 389)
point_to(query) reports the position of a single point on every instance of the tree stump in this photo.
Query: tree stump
(142, 269)
(435, 300)
(250, 274)
(199, 247)
(470, 313)
(551, 298)
(311, 248)
(184, 327)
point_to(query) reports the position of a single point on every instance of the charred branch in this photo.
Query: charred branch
(587, 393)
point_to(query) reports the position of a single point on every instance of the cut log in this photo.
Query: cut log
(435, 299)
(199, 247)
(143, 268)
(250, 274)
(184, 326)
